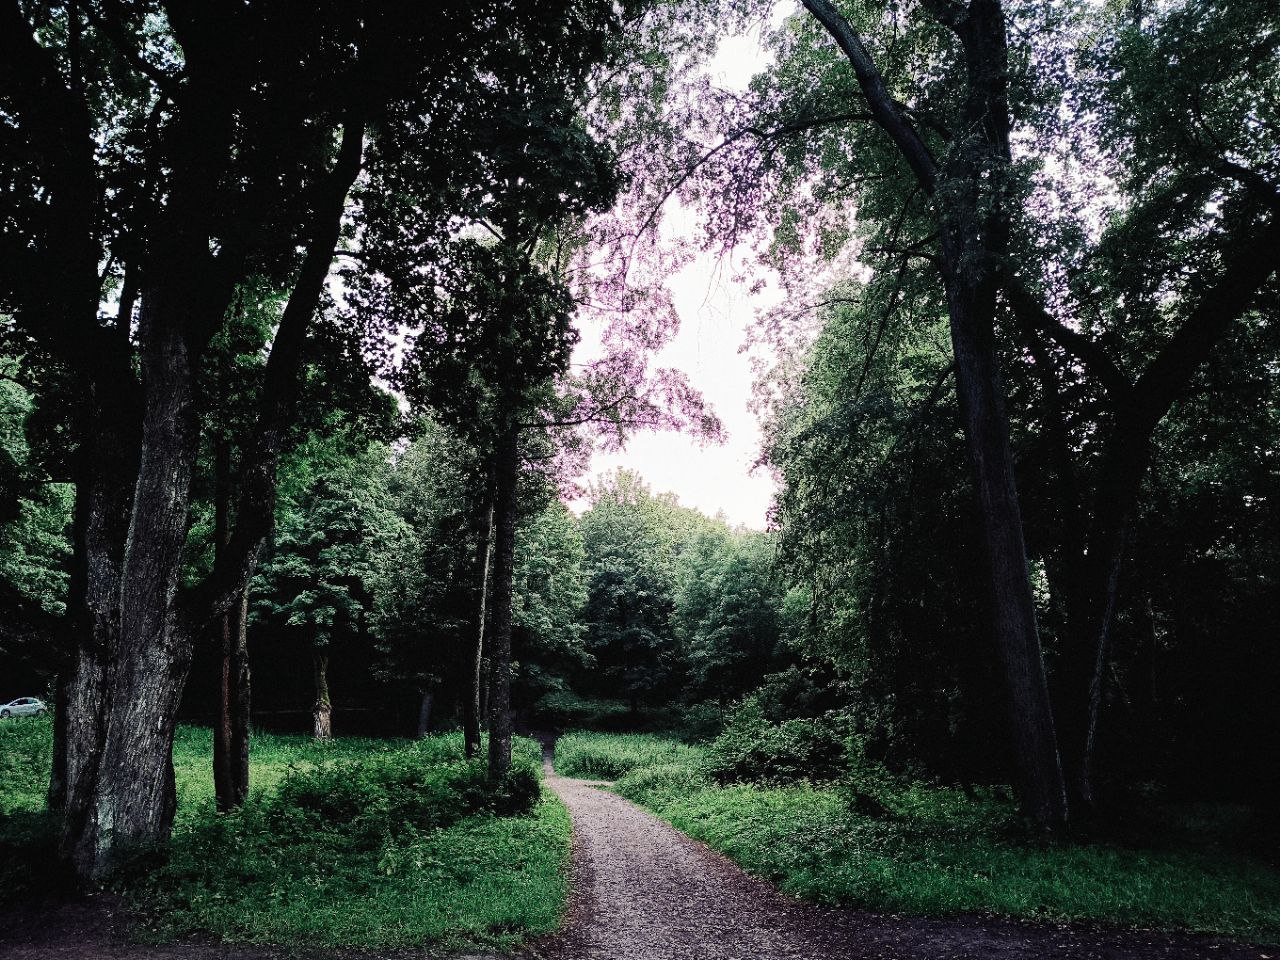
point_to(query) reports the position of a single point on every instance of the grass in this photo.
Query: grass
(351, 843)
(608, 756)
(937, 852)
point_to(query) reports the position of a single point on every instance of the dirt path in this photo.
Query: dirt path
(645, 891)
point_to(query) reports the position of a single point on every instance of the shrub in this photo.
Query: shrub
(26, 752)
(423, 786)
(608, 756)
(751, 749)
(664, 780)
(565, 709)
(701, 722)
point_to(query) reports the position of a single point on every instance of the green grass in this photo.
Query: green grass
(352, 843)
(608, 756)
(938, 852)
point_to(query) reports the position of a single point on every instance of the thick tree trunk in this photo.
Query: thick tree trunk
(127, 807)
(506, 472)
(968, 194)
(1035, 745)
(322, 712)
(973, 234)
(106, 475)
(424, 710)
(473, 702)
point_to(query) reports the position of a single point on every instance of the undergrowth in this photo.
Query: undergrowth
(928, 850)
(347, 843)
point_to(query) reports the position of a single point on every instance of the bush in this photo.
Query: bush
(663, 781)
(701, 722)
(26, 753)
(565, 709)
(424, 786)
(608, 756)
(751, 749)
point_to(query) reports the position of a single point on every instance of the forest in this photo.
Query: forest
(318, 322)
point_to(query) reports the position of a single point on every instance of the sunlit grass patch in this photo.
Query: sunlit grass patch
(608, 756)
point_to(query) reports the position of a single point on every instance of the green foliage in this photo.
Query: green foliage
(26, 752)
(549, 591)
(352, 843)
(634, 540)
(35, 516)
(564, 709)
(931, 851)
(318, 579)
(727, 612)
(750, 748)
(419, 787)
(424, 589)
(608, 756)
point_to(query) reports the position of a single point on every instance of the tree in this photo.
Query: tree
(424, 597)
(319, 579)
(185, 150)
(633, 541)
(727, 613)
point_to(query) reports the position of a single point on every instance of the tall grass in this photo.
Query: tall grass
(608, 756)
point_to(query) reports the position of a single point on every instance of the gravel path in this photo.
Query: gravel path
(645, 891)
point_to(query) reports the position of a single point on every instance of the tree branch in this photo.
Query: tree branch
(883, 107)
(255, 506)
(1032, 313)
(1251, 262)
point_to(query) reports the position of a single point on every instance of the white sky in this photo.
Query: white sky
(715, 314)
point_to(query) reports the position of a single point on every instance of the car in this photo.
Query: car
(24, 707)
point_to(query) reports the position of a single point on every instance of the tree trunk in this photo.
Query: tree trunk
(240, 704)
(222, 779)
(323, 710)
(222, 786)
(127, 807)
(1124, 464)
(1017, 637)
(969, 198)
(424, 710)
(472, 704)
(506, 472)
(973, 233)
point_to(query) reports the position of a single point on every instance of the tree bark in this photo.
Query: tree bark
(322, 712)
(506, 473)
(241, 702)
(473, 705)
(128, 807)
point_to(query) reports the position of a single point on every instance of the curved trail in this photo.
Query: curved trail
(645, 891)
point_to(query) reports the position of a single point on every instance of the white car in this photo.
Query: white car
(24, 707)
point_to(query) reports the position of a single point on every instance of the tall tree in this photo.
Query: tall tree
(182, 150)
(320, 578)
